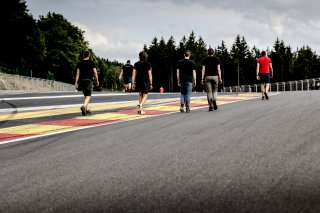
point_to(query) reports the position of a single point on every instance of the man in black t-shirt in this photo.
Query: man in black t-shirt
(142, 79)
(211, 77)
(84, 80)
(186, 76)
(126, 75)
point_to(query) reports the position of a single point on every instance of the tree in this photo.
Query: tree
(182, 47)
(277, 57)
(306, 63)
(239, 55)
(154, 59)
(171, 58)
(199, 54)
(113, 78)
(225, 61)
(108, 72)
(64, 46)
(102, 69)
(162, 71)
(191, 43)
(22, 44)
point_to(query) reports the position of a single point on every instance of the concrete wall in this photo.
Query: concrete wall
(17, 82)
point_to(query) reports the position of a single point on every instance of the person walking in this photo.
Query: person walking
(211, 78)
(142, 79)
(264, 73)
(126, 75)
(86, 69)
(186, 76)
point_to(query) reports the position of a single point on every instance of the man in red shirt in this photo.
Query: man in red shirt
(264, 73)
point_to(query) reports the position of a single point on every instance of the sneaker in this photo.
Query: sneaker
(210, 108)
(267, 97)
(181, 108)
(215, 107)
(88, 112)
(187, 109)
(139, 108)
(262, 98)
(83, 110)
(142, 112)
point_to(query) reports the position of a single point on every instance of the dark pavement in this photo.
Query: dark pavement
(249, 156)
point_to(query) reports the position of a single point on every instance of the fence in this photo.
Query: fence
(300, 85)
(17, 82)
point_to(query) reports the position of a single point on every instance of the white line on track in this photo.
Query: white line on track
(26, 109)
(58, 96)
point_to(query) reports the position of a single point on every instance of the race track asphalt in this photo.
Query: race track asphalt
(249, 156)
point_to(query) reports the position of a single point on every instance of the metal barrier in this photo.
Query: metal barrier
(17, 82)
(299, 85)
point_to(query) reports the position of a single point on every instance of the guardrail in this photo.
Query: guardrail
(299, 85)
(17, 82)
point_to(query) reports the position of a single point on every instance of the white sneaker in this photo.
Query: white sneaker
(139, 108)
(142, 112)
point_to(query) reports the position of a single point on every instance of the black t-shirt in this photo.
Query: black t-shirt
(86, 69)
(211, 65)
(127, 71)
(142, 68)
(186, 67)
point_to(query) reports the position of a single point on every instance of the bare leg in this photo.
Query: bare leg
(84, 108)
(267, 88)
(86, 101)
(140, 98)
(139, 107)
(125, 87)
(263, 89)
(143, 98)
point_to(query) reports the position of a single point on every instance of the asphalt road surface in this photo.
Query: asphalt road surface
(249, 156)
(19, 99)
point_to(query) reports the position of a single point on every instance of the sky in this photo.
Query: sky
(118, 29)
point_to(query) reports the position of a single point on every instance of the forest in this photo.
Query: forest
(50, 47)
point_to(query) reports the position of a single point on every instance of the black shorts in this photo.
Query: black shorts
(264, 77)
(127, 80)
(143, 87)
(86, 85)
